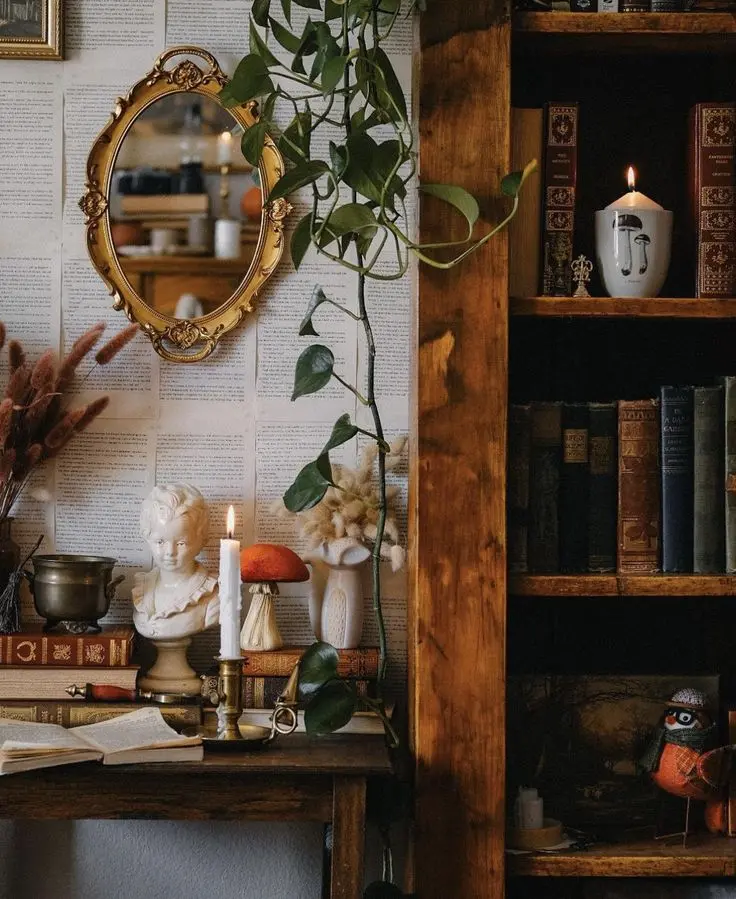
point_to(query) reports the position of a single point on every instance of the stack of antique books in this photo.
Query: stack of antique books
(37, 670)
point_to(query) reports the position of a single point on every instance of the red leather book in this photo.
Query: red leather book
(560, 175)
(713, 189)
(361, 662)
(110, 649)
(639, 516)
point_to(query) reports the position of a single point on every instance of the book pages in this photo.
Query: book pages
(19, 738)
(142, 729)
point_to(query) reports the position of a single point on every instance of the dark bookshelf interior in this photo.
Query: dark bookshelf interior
(633, 110)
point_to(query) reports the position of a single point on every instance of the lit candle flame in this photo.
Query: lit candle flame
(230, 523)
(631, 178)
(226, 136)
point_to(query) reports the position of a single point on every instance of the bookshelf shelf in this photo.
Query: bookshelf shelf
(704, 856)
(623, 307)
(622, 585)
(665, 32)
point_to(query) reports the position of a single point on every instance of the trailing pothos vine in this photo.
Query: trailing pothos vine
(332, 74)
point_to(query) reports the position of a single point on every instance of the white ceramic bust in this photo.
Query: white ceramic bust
(177, 598)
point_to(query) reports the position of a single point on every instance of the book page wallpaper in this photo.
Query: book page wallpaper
(226, 425)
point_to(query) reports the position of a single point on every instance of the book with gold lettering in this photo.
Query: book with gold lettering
(140, 736)
(111, 648)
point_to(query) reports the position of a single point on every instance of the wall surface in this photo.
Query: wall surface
(226, 425)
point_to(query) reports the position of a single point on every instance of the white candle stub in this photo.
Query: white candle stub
(230, 592)
(224, 148)
(633, 199)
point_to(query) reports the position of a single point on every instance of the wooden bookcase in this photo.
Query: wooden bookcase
(635, 76)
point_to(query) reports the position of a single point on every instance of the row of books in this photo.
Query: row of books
(541, 234)
(37, 669)
(637, 486)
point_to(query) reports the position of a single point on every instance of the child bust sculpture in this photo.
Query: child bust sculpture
(177, 598)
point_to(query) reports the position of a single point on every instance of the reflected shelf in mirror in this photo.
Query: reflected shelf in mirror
(167, 227)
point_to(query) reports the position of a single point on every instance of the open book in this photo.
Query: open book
(141, 736)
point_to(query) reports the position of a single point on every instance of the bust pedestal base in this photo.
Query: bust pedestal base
(171, 672)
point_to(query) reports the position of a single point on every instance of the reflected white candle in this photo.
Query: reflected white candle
(230, 592)
(224, 148)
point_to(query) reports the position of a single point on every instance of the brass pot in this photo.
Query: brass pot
(72, 590)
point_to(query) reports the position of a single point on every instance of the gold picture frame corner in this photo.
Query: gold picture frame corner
(50, 48)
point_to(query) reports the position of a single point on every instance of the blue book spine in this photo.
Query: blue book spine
(677, 478)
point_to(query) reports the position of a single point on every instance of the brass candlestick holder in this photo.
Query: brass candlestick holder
(230, 707)
(228, 733)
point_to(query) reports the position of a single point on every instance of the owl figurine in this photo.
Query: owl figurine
(684, 757)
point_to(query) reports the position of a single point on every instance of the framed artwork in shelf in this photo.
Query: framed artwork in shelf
(31, 29)
(579, 738)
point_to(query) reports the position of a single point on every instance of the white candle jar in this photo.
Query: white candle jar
(632, 248)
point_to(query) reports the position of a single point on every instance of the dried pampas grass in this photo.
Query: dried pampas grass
(351, 508)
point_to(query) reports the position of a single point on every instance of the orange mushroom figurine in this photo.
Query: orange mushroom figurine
(265, 566)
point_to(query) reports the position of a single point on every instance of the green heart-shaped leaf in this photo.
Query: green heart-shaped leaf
(332, 73)
(259, 11)
(317, 666)
(306, 328)
(252, 142)
(258, 46)
(458, 197)
(301, 175)
(301, 240)
(511, 183)
(342, 431)
(287, 40)
(313, 370)
(309, 486)
(251, 79)
(330, 709)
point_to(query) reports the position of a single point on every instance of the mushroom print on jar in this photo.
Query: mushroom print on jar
(633, 250)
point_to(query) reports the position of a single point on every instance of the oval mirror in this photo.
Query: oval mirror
(175, 223)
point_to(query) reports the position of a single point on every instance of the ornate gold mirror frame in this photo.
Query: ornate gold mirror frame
(178, 339)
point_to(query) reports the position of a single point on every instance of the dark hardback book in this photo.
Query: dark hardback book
(676, 447)
(712, 163)
(709, 525)
(729, 384)
(603, 440)
(544, 487)
(518, 487)
(635, 6)
(638, 486)
(560, 176)
(574, 489)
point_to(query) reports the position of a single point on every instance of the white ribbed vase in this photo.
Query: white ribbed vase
(336, 592)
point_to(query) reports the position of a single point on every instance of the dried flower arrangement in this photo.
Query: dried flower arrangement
(36, 424)
(351, 507)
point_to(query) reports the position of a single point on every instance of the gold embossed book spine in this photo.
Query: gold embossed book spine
(110, 649)
(560, 175)
(639, 513)
(713, 189)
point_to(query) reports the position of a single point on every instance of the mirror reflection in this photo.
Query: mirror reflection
(185, 206)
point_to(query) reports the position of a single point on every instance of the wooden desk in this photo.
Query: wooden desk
(296, 779)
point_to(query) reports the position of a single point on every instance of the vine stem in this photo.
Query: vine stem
(373, 406)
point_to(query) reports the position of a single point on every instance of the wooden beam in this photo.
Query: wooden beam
(458, 581)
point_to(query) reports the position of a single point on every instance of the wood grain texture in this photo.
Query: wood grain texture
(141, 791)
(651, 32)
(348, 838)
(622, 585)
(457, 626)
(623, 307)
(704, 856)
